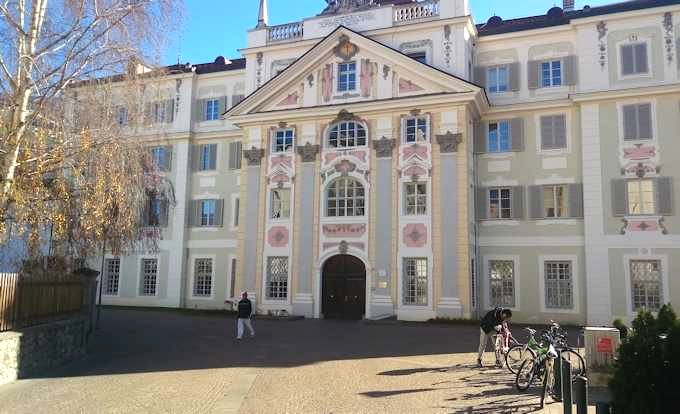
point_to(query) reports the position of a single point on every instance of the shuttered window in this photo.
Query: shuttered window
(205, 157)
(212, 110)
(649, 196)
(641, 200)
(155, 212)
(637, 122)
(553, 132)
(162, 157)
(205, 213)
(555, 201)
(551, 73)
(499, 137)
(497, 79)
(634, 59)
(235, 155)
(500, 203)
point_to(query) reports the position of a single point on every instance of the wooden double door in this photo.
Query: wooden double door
(344, 288)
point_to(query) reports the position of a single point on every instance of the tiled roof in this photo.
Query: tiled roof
(219, 65)
(556, 17)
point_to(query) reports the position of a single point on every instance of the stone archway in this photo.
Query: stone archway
(343, 293)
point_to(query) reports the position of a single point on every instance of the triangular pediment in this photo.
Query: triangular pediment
(347, 67)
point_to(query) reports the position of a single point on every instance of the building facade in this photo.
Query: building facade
(393, 158)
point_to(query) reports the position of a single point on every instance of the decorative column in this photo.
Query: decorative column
(251, 213)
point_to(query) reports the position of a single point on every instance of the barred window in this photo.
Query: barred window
(415, 281)
(347, 134)
(112, 279)
(502, 283)
(345, 197)
(149, 277)
(277, 278)
(559, 285)
(416, 198)
(646, 286)
(203, 275)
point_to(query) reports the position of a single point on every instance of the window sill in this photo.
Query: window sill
(202, 297)
(491, 222)
(551, 222)
(498, 155)
(550, 152)
(560, 311)
(210, 173)
(640, 76)
(552, 90)
(206, 229)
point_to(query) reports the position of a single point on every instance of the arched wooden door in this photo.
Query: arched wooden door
(344, 288)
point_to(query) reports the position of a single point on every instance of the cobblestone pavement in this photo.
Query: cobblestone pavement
(167, 362)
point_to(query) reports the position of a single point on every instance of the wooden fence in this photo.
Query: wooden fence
(36, 299)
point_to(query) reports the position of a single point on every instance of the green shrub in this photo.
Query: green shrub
(623, 329)
(645, 374)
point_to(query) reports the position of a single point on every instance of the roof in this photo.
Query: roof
(219, 65)
(557, 17)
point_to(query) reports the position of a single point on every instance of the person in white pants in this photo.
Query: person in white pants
(245, 313)
(489, 329)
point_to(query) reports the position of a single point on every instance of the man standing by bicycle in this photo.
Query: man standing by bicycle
(491, 326)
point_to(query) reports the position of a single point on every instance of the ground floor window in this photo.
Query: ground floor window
(646, 285)
(149, 277)
(558, 285)
(502, 283)
(277, 278)
(203, 275)
(112, 277)
(415, 281)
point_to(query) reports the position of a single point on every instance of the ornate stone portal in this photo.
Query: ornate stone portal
(347, 6)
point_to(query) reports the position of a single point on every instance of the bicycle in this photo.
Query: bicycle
(541, 367)
(519, 352)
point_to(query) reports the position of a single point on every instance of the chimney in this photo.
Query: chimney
(568, 5)
(263, 17)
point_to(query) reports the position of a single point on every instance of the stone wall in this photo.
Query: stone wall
(32, 350)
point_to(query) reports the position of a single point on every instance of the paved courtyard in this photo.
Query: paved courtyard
(168, 362)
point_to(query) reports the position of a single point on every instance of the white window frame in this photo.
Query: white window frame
(576, 294)
(664, 279)
(539, 139)
(354, 199)
(500, 210)
(493, 74)
(192, 263)
(427, 283)
(201, 147)
(516, 278)
(290, 204)
(639, 181)
(417, 197)
(621, 121)
(551, 63)
(498, 124)
(417, 119)
(104, 279)
(287, 148)
(340, 73)
(634, 40)
(566, 200)
(212, 109)
(208, 224)
(140, 275)
(356, 137)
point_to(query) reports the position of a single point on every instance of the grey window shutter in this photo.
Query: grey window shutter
(190, 215)
(641, 58)
(480, 76)
(163, 220)
(677, 51)
(576, 200)
(532, 74)
(236, 99)
(628, 66)
(536, 208)
(197, 212)
(168, 158)
(571, 70)
(144, 212)
(224, 105)
(237, 211)
(200, 110)
(630, 127)
(560, 131)
(213, 156)
(232, 155)
(239, 154)
(169, 111)
(619, 197)
(148, 113)
(195, 157)
(517, 134)
(644, 113)
(482, 200)
(513, 77)
(663, 188)
(219, 213)
(547, 139)
(481, 129)
(518, 202)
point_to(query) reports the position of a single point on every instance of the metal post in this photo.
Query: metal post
(557, 386)
(566, 385)
(603, 408)
(581, 393)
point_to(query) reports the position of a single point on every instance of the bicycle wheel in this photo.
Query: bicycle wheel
(525, 374)
(516, 355)
(578, 364)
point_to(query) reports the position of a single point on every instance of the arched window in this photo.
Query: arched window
(345, 197)
(347, 134)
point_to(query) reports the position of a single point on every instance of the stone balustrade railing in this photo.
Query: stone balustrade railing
(416, 11)
(285, 32)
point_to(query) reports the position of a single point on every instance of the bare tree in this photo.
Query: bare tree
(66, 159)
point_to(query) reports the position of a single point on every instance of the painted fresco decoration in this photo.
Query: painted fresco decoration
(369, 71)
(668, 36)
(602, 43)
(386, 71)
(419, 151)
(291, 99)
(639, 160)
(345, 49)
(278, 236)
(344, 230)
(447, 45)
(343, 246)
(259, 70)
(639, 152)
(281, 169)
(327, 82)
(415, 235)
(644, 225)
(407, 86)
(641, 170)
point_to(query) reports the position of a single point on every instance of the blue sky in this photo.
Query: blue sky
(218, 27)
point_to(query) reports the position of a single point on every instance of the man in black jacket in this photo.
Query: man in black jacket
(245, 312)
(491, 325)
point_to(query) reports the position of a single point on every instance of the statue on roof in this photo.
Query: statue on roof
(348, 6)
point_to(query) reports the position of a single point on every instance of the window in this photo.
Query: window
(634, 59)
(112, 280)
(558, 285)
(203, 275)
(280, 203)
(154, 212)
(419, 56)
(500, 203)
(497, 79)
(646, 285)
(553, 132)
(416, 199)
(208, 213)
(277, 278)
(551, 73)
(416, 130)
(159, 114)
(122, 116)
(555, 201)
(415, 281)
(158, 155)
(347, 77)
(283, 140)
(637, 122)
(207, 157)
(502, 283)
(347, 134)
(641, 199)
(345, 198)
(149, 277)
(212, 110)
(499, 137)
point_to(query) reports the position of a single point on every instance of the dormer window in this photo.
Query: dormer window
(347, 77)
(419, 56)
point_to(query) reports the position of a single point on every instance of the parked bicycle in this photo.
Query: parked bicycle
(539, 368)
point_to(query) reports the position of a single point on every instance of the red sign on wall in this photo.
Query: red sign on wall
(605, 345)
